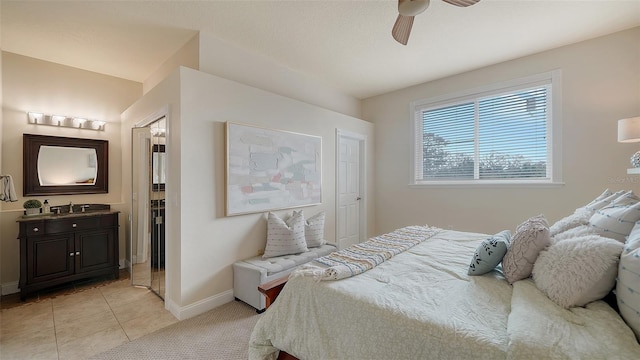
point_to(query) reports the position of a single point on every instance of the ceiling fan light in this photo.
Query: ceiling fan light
(412, 7)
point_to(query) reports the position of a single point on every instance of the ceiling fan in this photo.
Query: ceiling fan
(408, 9)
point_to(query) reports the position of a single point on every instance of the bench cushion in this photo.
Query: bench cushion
(285, 262)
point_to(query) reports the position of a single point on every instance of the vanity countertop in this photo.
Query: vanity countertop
(66, 215)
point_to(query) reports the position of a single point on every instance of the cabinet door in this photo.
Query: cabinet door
(95, 250)
(50, 257)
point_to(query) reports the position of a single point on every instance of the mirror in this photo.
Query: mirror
(62, 166)
(55, 165)
(158, 161)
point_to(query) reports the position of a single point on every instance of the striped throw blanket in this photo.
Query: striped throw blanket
(364, 256)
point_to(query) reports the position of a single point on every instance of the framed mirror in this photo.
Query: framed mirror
(54, 165)
(158, 165)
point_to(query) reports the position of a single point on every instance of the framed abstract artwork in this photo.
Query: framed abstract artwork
(269, 169)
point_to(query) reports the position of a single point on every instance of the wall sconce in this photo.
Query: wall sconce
(628, 132)
(65, 121)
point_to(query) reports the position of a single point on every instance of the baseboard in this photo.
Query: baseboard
(199, 307)
(10, 288)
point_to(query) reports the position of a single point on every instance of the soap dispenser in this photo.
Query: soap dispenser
(46, 207)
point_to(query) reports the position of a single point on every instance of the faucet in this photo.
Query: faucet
(56, 209)
(83, 207)
(70, 207)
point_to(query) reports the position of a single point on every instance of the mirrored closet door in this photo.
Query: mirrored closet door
(148, 159)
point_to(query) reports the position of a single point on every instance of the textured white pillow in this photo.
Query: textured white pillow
(577, 271)
(576, 219)
(529, 239)
(628, 287)
(314, 230)
(283, 238)
(616, 220)
(578, 231)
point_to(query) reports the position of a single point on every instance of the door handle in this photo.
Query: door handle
(358, 198)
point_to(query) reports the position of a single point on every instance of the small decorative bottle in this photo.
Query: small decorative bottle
(46, 208)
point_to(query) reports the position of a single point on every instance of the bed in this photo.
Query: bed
(423, 304)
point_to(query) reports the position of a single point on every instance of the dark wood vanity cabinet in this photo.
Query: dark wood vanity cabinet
(59, 249)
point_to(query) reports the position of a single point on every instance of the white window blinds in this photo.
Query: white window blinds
(502, 136)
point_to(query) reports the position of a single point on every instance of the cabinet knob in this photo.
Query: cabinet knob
(77, 252)
(71, 254)
(74, 225)
(36, 229)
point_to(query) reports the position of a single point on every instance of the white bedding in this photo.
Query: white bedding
(421, 304)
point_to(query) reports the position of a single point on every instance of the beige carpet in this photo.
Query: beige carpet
(222, 333)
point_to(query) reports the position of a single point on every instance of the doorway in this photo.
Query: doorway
(148, 181)
(351, 210)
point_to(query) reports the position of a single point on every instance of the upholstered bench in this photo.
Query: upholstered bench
(250, 273)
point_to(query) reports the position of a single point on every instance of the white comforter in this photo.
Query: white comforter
(421, 304)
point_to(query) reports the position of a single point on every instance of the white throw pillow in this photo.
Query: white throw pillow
(578, 231)
(616, 220)
(606, 198)
(283, 238)
(628, 287)
(314, 230)
(577, 271)
(569, 222)
(529, 239)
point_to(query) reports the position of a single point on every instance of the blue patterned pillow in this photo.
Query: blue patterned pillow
(490, 253)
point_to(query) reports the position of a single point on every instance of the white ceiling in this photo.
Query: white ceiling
(345, 44)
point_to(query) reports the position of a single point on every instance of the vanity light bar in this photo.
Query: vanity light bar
(157, 132)
(65, 121)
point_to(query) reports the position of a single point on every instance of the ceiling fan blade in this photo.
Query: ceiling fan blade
(462, 3)
(402, 29)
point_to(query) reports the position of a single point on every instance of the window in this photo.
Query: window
(500, 134)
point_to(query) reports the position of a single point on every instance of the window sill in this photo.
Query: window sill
(487, 184)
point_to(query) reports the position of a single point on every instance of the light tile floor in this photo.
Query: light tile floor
(80, 321)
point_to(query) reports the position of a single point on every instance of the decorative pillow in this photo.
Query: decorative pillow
(601, 201)
(580, 217)
(529, 239)
(283, 238)
(578, 231)
(577, 271)
(490, 253)
(628, 287)
(314, 230)
(616, 220)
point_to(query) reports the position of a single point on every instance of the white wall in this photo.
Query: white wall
(34, 85)
(221, 58)
(205, 243)
(188, 55)
(601, 79)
